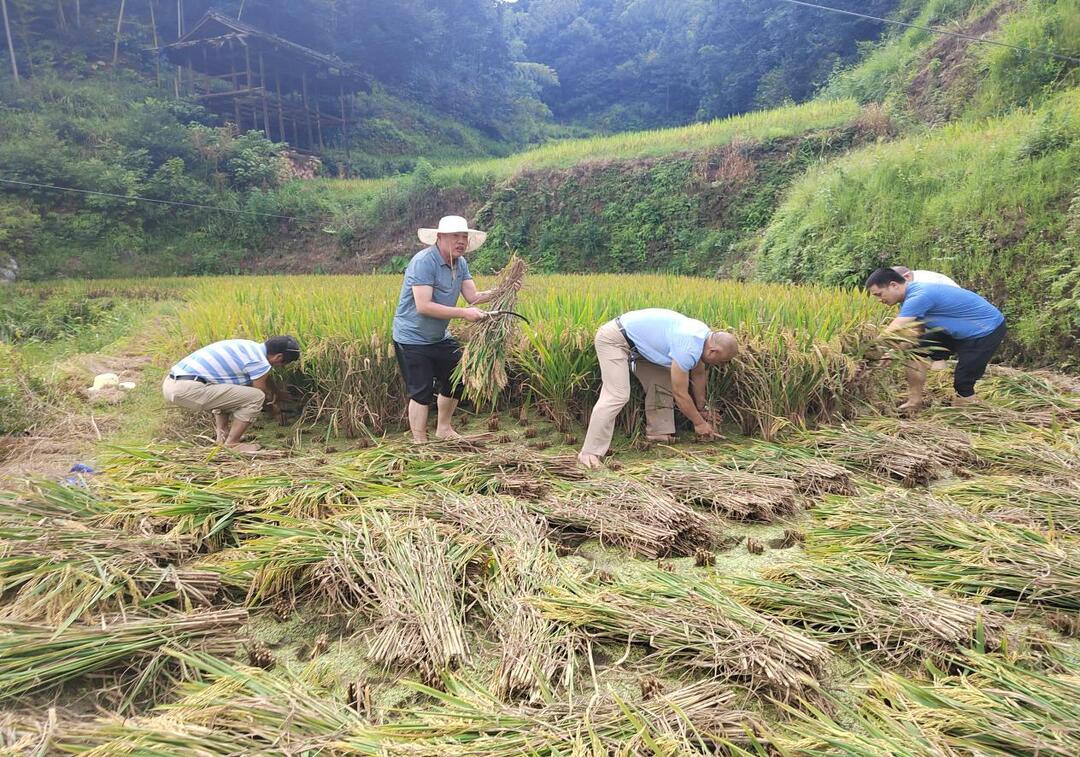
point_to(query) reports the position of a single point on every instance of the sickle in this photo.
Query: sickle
(508, 312)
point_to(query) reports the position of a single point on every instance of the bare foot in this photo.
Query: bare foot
(589, 461)
(662, 439)
(246, 447)
(446, 433)
(958, 400)
(221, 436)
(939, 365)
(913, 405)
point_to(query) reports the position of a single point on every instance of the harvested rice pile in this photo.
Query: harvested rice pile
(644, 519)
(732, 493)
(695, 625)
(948, 547)
(879, 454)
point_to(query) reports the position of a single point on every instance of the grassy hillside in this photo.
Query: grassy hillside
(932, 78)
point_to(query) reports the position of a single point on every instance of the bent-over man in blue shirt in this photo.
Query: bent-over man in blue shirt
(953, 320)
(670, 354)
(231, 380)
(427, 355)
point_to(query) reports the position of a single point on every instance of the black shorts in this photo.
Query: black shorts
(426, 367)
(972, 355)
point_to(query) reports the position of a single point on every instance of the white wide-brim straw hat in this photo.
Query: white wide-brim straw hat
(453, 225)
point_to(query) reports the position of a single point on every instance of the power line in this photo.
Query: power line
(935, 30)
(147, 199)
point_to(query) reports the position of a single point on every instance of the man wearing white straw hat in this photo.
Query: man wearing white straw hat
(434, 280)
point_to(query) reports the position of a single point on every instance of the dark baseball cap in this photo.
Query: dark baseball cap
(283, 345)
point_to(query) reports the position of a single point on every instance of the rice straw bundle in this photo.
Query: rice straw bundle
(534, 652)
(873, 609)
(997, 708)
(243, 710)
(1045, 503)
(486, 343)
(60, 571)
(811, 475)
(952, 448)
(948, 547)
(643, 518)
(416, 577)
(879, 454)
(732, 493)
(693, 623)
(33, 657)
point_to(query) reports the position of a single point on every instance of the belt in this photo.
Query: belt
(634, 354)
(200, 379)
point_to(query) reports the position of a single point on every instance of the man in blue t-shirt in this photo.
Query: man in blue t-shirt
(427, 355)
(953, 320)
(670, 355)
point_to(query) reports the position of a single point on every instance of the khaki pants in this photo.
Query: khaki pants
(242, 402)
(614, 355)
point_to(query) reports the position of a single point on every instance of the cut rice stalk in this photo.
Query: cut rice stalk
(695, 624)
(645, 519)
(875, 609)
(947, 547)
(34, 657)
(732, 493)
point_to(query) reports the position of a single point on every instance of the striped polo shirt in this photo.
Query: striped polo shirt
(230, 361)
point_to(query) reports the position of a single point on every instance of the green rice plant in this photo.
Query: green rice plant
(778, 381)
(874, 610)
(693, 624)
(356, 388)
(1048, 504)
(808, 332)
(950, 548)
(35, 657)
(733, 493)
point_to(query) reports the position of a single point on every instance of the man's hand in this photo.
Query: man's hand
(705, 429)
(472, 315)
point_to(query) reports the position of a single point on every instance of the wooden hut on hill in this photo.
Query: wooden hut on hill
(262, 81)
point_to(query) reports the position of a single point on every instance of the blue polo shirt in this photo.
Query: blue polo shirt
(664, 337)
(427, 268)
(959, 313)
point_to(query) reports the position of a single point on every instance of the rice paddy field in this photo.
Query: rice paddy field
(827, 579)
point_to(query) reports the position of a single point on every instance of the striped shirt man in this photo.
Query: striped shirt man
(230, 361)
